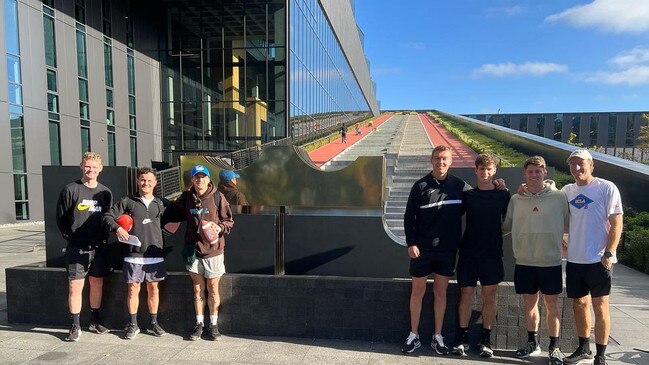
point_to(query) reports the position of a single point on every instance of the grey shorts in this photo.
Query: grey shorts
(137, 273)
(210, 268)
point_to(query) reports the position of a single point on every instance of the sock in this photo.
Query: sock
(199, 319)
(75, 319)
(584, 344)
(214, 318)
(486, 334)
(531, 337)
(94, 314)
(601, 349)
(154, 317)
(464, 334)
(133, 318)
(553, 343)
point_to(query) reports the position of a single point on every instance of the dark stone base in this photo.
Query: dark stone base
(299, 306)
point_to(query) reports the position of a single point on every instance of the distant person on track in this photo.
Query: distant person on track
(343, 133)
(357, 128)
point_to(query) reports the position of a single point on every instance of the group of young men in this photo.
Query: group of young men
(86, 216)
(538, 216)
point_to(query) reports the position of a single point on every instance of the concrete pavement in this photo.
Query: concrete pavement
(32, 344)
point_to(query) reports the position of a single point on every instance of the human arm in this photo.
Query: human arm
(63, 207)
(225, 215)
(109, 220)
(613, 238)
(410, 218)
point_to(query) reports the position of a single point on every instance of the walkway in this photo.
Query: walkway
(463, 155)
(30, 344)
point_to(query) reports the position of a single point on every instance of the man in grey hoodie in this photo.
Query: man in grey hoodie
(537, 219)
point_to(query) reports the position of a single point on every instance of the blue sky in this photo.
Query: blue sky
(479, 56)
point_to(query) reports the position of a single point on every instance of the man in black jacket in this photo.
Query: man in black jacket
(143, 247)
(78, 216)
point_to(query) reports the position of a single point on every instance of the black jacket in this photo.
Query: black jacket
(147, 223)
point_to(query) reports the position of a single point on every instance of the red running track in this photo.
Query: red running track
(463, 156)
(327, 152)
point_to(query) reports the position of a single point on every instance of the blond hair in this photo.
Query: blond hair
(91, 156)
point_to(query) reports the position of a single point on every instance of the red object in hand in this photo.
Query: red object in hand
(125, 221)
(209, 234)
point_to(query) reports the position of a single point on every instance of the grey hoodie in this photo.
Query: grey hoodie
(537, 223)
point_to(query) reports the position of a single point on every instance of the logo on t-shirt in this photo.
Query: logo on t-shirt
(581, 201)
(89, 205)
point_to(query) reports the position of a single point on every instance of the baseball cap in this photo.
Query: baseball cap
(583, 154)
(198, 169)
(226, 175)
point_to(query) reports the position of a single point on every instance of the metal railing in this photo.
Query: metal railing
(169, 183)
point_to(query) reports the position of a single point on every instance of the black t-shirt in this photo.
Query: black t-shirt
(485, 210)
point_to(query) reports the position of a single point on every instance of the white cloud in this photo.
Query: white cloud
(620, 16)
(500, 11)
(630, 68)
(527, 68)
(418, 46)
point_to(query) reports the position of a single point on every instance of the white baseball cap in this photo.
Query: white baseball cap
(583, 154)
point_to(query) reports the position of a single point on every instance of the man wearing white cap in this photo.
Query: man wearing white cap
(595, 230)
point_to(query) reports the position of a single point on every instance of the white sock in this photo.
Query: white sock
(412, 336)
(199, 319)
(214, 318)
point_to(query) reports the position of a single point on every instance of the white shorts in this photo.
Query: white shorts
(210, 268)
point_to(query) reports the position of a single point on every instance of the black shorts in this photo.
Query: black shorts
(532, 279)
(137, 273)
(582, 279)
(81, 262)
(432, 262)
(489, 271)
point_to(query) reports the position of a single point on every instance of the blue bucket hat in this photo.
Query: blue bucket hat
(227, 175)
(200, 169)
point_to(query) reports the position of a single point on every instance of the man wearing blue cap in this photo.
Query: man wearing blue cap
(228, 187)
(204, 260)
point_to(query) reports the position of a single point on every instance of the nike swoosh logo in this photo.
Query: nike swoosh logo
(82, 207)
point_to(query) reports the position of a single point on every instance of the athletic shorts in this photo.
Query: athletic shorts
(432, 262)
(81, 262)
(210, 268)
(582, 279)
(137, 273)
(532, 279)
(470, 270)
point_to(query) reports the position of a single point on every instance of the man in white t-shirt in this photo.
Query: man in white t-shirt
(595, 230)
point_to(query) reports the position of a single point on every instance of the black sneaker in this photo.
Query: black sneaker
(555, 357)
(579, 356)
(531, 349)
(156, 330)
(131, 331)
(485, 348)
(197, 332)
(98, 327)
(438, 345)
(599, 360)
(213, 333)
(412, 343)
(461, 348)
(74, 333)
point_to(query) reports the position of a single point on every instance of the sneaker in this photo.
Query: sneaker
(412, 343)
(197, 332)
(98, 327)
(555, 357)
(156, 330)
(131, 331)
(485, 348)
(461, 348)
(74, 333)
(530, 350)
(599, 360)
(439, 346)
(213, 333)
(580, 356)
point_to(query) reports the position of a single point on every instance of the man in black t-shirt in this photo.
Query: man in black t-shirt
(78, 215)
(481, 251)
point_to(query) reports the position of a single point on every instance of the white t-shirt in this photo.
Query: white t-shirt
(590, 207)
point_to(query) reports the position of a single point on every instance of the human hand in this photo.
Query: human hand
(122, 234)
(413, 251)
(500, 184)
(521, 189)
(607, 262)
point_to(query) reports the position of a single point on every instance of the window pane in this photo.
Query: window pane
(20, 187)
(13, 69)
(132, 123)
(11, 27)
(108, 64)
(133, 143)
(131, 105)
(85, 140)
(51, 81)
(109, 98)
(130, 64)
(55, 144)
(22, 211)
(110, 117)
(52, 103)
(17, 143)
(15, 94)
(84, 111)
(83, 90)
(111, 149)
(50, 41)
(82, 67)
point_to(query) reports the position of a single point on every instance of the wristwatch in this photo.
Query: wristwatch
(608, 254)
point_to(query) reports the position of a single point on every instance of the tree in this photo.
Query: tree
(572, 139)
(643, 137)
